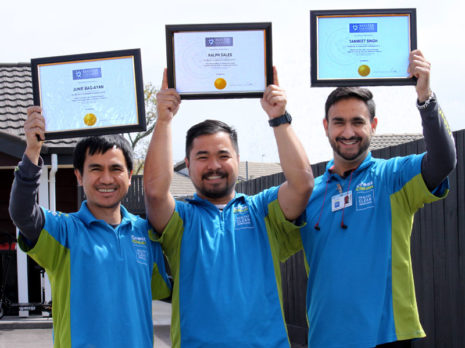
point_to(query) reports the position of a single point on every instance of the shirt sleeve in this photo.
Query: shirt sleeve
(51, 249)
(440, 158)
(160, 284)
(405, 179)
(24, 209)
(284, 235)
(171, 238)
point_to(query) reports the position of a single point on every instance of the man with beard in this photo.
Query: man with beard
(224, 248)
(103, 268)
(359, 221)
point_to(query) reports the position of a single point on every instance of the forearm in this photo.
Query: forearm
(295, 192)
(440, 158)
(24, 210)
(158, 174)
(293, 159)
(158, 171)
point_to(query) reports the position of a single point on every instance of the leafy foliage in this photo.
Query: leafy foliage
(139, 141)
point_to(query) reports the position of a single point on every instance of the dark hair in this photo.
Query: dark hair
(209, 127)
(101, 144)
(362, 94)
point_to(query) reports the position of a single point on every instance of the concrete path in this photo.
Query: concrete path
(36, 331)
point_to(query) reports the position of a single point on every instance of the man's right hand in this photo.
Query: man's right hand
(168, 100)
(34, 130)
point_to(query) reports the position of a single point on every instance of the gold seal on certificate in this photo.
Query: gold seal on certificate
(90, 119)
(361, 47)
(219, 60)
(90, 94)
(220, 83)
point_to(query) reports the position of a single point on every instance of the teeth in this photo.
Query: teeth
(214, 177)
(106, 190)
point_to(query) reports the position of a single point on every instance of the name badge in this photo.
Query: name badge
(341, 200)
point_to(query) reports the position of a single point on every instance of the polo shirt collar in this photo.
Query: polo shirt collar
(365, 164)
(88, 218)
(197, 200)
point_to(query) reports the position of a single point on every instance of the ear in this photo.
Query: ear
(374, 123)
(186, 161)
(325, 125)
(78, 177)
(130, 176)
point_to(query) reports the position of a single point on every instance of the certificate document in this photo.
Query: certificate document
(363, 46)
(206, 63)
(89, 94)
(229, 61)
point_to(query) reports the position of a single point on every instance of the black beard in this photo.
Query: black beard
(216, 194)
(363, 147)
(219, 193)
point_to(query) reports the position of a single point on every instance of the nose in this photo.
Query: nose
(214, 164)
(106, 177)
(348, 131)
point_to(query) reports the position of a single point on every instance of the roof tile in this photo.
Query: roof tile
(15, 98)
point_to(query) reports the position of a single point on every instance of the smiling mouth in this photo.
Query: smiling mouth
(213, 176)
(350, 141)
(102, 190)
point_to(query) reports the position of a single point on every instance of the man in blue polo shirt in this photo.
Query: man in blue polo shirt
(359, 221)
(103, 268)
(224, 248)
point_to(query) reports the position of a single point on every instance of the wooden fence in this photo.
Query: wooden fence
(438, 257)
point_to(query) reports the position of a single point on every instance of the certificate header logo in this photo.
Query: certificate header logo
(218, 41)
(91, 73)
(363, 27)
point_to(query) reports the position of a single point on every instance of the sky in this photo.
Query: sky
(33, 29)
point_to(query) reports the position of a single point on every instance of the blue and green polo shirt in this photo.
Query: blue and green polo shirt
(103, 279)
(227, 280)
(360, 289)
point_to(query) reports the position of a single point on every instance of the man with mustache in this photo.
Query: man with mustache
(224, 248)
(359, 221)
(103, 268)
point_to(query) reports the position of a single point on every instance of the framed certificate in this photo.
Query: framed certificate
(361, 47)
(219, 60)
(90, 94)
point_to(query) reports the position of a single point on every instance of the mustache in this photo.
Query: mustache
(349, 139)
(219, 173)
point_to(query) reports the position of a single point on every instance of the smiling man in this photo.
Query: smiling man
(100, 260)
(359, 220)
(224, 248)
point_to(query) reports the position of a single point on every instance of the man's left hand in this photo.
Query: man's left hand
(274, 98)
(421, 69)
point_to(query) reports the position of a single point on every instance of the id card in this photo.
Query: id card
(341, 200)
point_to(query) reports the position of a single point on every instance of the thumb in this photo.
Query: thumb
(275, 76)
(164, 82)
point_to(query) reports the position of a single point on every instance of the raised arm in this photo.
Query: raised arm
(440, 158)
(158, 169)
(24, 210)
(293, 194)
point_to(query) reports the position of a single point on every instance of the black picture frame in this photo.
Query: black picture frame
(172, 30)
(134, 79)
(318, 81)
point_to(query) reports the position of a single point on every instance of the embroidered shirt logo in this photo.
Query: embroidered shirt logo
(140, 247)
(365, 195)
(242, 217)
